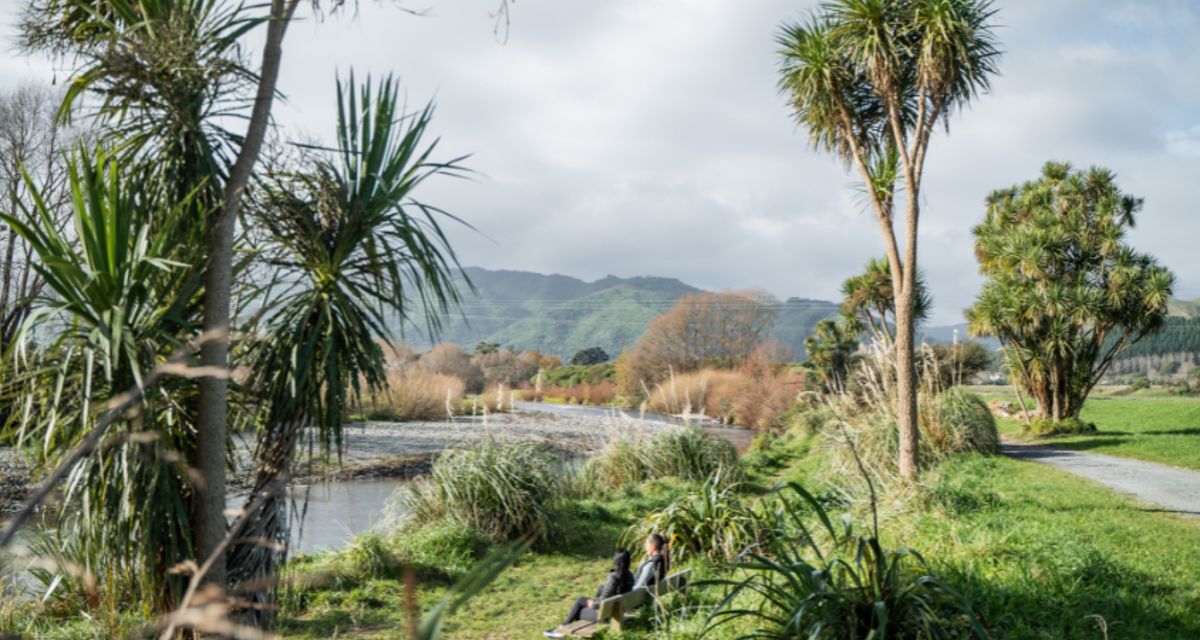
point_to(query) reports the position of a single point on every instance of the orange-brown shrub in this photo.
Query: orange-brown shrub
(708, 391)
(744, 397)
(601, 394)
(414, 394)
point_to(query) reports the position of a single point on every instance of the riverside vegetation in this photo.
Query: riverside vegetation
(999, 547)
(1034, 551)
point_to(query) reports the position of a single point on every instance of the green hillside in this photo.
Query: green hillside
(612, 319)
(796, 320)
(1184, 308)
(554, 314)
(557, 314)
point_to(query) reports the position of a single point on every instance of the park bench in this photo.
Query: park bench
(614, 609)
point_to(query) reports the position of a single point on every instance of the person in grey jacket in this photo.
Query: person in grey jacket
(657, 564)
(619, 581)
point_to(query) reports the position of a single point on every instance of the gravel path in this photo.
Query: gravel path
(1175, 489)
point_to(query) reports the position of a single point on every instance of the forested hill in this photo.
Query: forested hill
(560, 315)
(1178, 335)
(555, 314)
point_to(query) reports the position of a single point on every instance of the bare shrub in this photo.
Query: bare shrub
(398, 355)
(449, 359)
(703, 330)
(506, 367)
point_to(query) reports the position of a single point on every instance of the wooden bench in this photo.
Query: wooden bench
(614, 609)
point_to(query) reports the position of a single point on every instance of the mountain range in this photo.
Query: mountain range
(560, 315)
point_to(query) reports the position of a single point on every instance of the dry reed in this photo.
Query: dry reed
(414, 393)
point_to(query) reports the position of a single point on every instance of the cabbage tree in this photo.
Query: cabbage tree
(1065, 295)
(120, 298)
(353, 250)
(870, 80)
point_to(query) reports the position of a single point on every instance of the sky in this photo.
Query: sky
(647, 137)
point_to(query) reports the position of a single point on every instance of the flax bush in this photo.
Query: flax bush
(687, 454)
(501, 490)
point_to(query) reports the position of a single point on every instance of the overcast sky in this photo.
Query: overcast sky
(646, 137)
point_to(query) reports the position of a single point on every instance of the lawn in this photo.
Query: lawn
(1041, 551)
(1154, 427)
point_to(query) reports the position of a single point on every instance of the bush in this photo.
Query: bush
(863, 591)
(965, 424)
(687, 454)
(501, 490)
(571, 376)
(414, 394)
(449, 359)
(712, 522)
(1045, 427)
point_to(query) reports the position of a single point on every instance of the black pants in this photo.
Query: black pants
(581, 611)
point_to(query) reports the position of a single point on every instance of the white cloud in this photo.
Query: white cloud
(646, 137)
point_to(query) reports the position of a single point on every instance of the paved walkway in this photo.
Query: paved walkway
(1175, 489)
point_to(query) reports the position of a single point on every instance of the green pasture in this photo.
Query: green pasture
(1149, 425)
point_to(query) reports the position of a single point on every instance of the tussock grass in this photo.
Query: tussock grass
(951, 422)
(687, 454)
(500, 489)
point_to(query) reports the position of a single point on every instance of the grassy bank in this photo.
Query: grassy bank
(1154, 427)
(1041, 553)
(355, 594)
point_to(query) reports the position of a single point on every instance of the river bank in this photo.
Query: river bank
(395, 449)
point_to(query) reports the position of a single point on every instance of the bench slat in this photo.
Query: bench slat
(639, 597)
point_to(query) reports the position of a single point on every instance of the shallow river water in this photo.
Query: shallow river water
(340, 510)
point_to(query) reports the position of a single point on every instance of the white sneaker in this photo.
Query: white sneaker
(553, 633)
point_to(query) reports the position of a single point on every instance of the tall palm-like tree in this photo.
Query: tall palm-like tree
(121, 299)
(166, 72)
(354, 249)
(870, 78)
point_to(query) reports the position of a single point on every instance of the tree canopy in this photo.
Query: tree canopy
(1065, 293)
(589, 356)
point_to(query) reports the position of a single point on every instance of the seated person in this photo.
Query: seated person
(619, 581)
(657, 564)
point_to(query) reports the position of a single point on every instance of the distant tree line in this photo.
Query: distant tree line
(1178, 335)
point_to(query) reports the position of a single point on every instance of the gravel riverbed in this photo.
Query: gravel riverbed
(379, 449)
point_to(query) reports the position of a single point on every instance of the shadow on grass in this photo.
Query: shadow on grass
(1093, 443)
(1174, 432)
(1186, 513)
(1059, 596)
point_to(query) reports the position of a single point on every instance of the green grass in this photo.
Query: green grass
(1155, 427)
(533, 595)
(1040, 550)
